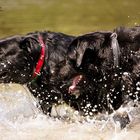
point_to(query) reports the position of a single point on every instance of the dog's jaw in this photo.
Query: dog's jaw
(75, 82)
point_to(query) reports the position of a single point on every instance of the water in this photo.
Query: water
(71, 17)
(20, 119)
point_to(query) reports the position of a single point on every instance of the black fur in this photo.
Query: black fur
(103, 87)
(106, 87)
(18, 58)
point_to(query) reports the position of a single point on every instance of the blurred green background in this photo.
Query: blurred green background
(68, 16)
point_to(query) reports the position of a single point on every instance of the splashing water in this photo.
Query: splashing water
(20, 119)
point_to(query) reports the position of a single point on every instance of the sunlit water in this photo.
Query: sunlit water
(20, 119)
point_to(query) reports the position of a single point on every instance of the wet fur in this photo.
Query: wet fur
(103, 87)
(18, 58)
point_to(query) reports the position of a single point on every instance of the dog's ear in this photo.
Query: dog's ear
(79, 46)
(77, 50)
(30, 45)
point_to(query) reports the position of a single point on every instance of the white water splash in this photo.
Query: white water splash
(21, 120)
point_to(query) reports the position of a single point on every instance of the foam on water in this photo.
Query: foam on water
(21, 120)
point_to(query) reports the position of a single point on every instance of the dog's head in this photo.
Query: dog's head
(16, 60)
(92, 54)
(88, 48)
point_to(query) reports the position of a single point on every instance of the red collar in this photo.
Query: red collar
(41, 58)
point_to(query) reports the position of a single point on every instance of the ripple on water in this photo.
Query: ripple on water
(25, 122)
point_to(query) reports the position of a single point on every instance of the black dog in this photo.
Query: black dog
(101, 68)
(40, 61)
(109, 63)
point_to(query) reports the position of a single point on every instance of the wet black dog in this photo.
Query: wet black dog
(109, 63)
(93, 73)
(20, 59)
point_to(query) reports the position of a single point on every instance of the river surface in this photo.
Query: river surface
(67, 16)
(20, 119)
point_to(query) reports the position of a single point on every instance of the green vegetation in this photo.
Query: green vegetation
(71, 17)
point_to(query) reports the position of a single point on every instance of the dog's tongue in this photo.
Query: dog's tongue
(76, 80)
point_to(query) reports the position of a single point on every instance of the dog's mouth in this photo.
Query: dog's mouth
(75, 82)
